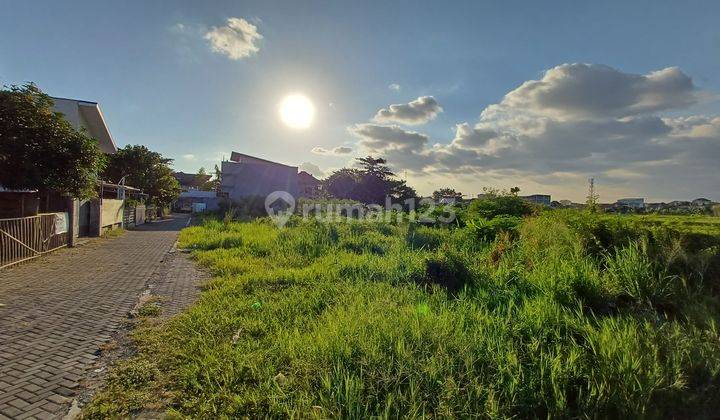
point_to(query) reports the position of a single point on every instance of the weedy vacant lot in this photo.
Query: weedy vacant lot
(563, 314)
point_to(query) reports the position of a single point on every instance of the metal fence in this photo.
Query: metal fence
(25, 238)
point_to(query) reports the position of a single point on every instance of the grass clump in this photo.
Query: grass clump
(563, 314)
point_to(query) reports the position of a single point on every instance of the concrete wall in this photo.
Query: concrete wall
(139, 214)
(111, 213)
(241, 180)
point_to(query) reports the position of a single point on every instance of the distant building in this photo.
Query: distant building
(246, 176)
(308, 185)
(193, 200)
(448, 199)
(678, 203)
(541, 199)
(701, 202)
(190, 182)
(633, 203)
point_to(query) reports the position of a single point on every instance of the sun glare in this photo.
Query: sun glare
(297, 111)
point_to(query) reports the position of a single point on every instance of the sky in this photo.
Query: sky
(540, 95)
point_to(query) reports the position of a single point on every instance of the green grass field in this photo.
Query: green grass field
(565, 315)
(696, 224)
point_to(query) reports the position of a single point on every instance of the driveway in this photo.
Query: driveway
(57, 310)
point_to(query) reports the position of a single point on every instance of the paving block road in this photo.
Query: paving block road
(56, 311)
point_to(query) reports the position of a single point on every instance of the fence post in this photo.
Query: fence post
(73, 222)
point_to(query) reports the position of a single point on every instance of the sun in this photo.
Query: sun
(297, 111)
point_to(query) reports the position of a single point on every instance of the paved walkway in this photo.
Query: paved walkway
(57, 310)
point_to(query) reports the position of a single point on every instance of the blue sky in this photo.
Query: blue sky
(152, 69)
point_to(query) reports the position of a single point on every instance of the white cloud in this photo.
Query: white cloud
(339, 150)
(312, 169)
(394, 86)
(189, 156)
(578, 120)
(419, 111)
(598, 91)
(237, 39)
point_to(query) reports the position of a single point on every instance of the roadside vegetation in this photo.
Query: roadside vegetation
(508, 312)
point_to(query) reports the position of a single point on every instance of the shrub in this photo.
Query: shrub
(634, 275)
(487, 230)
(446, 268)
(498, 205)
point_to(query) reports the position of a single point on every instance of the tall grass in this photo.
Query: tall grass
(566, 316)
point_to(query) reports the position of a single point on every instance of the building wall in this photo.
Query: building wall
(241, 180)
(632, 202)
(70, 111)
(543, 199)
(77, 114)
(112, 212)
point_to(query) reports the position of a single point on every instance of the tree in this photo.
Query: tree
(375, 166)
(371, 183)
(216, 180)
(203, 181)
(343, 183)
(591, 202)
(446, 192)
(144, 169)
(40, 150)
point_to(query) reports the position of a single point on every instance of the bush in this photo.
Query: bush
(498, 205)
(487, 230)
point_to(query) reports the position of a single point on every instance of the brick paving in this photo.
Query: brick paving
(57, 310)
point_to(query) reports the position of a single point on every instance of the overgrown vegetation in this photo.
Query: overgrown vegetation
(562, 314)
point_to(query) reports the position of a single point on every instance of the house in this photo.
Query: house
(541, 199)
(88, 116)
(308, 185)
(47, 221)
(189, 182)
(246, 176)
(197, 201)
(633, 203)
(82, 115)
(92, 217)
(701, 202)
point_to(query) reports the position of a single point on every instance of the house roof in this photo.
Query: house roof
(193, 180)
(87, 115)
(243, 158)
(307, 178)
